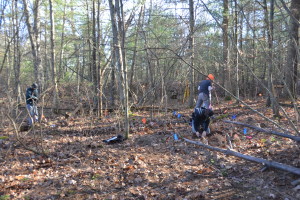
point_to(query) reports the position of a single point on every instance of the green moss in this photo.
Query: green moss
(4, 197)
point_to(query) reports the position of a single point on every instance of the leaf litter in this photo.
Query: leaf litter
(151, 164)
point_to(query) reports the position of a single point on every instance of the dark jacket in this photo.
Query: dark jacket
(31, 96)
(204, 86)
(201, 118)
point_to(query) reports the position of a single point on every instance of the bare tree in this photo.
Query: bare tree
(17, 51)
(293, 47)
(118, 42)
(53, 67)
(138, 26)
(34, 36)
(62, 40)
(226, 68)
(192, 53)
(235, 37)
(269, 20)
(95, 74)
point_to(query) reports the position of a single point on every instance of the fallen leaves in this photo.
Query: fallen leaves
(205, 170)
(150, 165)
(129, 167)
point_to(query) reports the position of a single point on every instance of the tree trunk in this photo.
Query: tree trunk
(77, 55)
(53, 67)
(192, 53)
(94, 57)
(17, 52)
(269, 26)
(34, 36)
(293, 47)
(47, 68)
(237, 91)
(36, 27)
(135, 47)
(89, 62)
(113, 84)
(115, 10)
(226, 68)
(61, 73)
(99, 72)
(124, 69)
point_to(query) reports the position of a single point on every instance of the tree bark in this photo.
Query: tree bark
(53, 67)
(17, 51)
(271, 100)
(124, 69)
(94, 57)
(61, 67)
(34, 36)
(237, 89)
(132, 75)
(293, 47)
(99, 55)
(116, 10)
(192, 53)
(226, 68)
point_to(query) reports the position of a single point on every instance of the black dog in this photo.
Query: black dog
(200, 120)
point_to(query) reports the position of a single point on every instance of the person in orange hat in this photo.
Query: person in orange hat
(204, 88)
(203, 110)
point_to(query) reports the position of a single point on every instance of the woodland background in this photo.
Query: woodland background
(149, 50)
(116, 62)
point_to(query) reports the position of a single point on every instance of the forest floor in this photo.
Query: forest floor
(151, 164)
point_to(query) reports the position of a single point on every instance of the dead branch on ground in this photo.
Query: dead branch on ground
(267, 163)
(266, 131)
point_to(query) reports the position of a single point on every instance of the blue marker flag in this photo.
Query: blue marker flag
(245, 131)
(175, 136)
(233, 117)
(179, 115)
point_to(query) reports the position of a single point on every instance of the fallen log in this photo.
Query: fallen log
(268, 163)
(288, 105)
(296, 138)
(48, 108)
(150, 108)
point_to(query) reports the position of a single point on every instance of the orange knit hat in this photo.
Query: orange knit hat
(211, 77)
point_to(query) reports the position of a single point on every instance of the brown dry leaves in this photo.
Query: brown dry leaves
(150, 165)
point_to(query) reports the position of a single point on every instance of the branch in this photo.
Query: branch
(289, 12)
(267, 163)
(266, 131)
(19, 140)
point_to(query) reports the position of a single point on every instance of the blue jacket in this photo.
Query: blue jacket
(204, 86)
(31, 96)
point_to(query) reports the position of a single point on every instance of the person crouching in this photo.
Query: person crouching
(200, 121)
